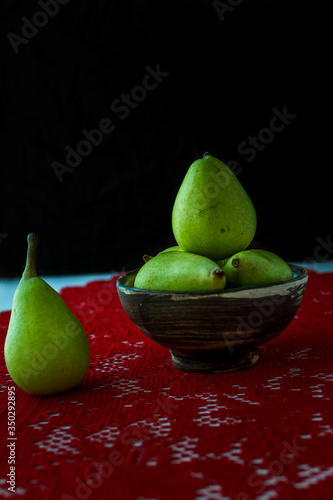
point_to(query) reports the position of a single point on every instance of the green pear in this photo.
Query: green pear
(175, 248)
(46, 348)
(212, 214)
(180, 272)
(255, 267)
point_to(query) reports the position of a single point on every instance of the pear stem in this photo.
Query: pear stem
(206, 154)
(219, 272)
(235, 263)
(30, 266)
(146, 257)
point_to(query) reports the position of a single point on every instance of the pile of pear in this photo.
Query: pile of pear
(214, 222)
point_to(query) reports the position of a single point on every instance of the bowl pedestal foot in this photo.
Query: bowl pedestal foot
(215, 362)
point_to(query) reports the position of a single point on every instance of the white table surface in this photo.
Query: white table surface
(9, 285)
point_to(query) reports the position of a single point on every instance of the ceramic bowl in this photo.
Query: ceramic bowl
(214, 331)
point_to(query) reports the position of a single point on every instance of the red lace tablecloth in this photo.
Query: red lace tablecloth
(138, 428)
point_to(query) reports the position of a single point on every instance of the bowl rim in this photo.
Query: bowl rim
(302, 274)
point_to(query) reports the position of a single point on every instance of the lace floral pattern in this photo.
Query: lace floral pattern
(137, 428)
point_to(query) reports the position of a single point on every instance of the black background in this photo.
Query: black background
(227, 69)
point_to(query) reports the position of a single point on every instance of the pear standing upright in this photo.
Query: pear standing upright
(212, 214)
(46, 348)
